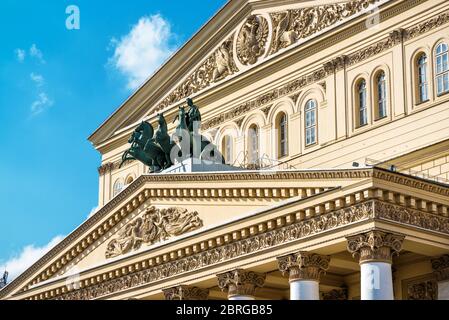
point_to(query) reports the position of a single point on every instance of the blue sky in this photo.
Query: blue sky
(56, 87)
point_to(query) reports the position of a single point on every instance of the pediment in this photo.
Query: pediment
(262, 33)
(160, 210)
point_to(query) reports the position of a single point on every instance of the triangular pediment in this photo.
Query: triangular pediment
(159, 210)
(242, 36)
(159, 213)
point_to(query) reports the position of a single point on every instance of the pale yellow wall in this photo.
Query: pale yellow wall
(408, 127)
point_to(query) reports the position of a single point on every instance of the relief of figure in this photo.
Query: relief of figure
(223, 62)
(284, 35)
(129, 239)
(156, 225)
(175, 222)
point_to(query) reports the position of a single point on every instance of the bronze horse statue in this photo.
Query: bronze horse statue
(145, 149)
(158, 150)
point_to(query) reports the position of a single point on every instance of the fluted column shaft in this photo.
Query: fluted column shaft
(304, 270)
(240, 284)
(375, 250)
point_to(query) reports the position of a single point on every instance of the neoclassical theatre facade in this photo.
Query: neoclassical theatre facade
(333, 119)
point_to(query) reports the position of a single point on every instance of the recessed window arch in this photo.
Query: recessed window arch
(282, 134)
(227, 148)
(442, 68)
(118, 187)
(421, 78)
(380, 94)
(129, 180)
(253, 144)
(361, 103)
(310, 118)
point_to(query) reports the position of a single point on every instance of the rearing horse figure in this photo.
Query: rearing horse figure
(163, 139)
(144, 149)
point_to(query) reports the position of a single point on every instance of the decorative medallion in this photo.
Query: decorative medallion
(156, 225)
(252, 40)
(423, 290)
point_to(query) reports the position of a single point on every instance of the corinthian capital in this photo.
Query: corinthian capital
(240, 282)
(440, 267)
(304, 265)
(185, 293)
(375, 246)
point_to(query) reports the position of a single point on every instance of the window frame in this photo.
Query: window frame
(311, 127)
(442, 73)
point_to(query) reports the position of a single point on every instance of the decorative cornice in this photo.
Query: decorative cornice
(304, 265)
(186, 293)
(375, 246)
(111, 166)
(440, 267)
(412, 217)
(225, 248)
(74, 246)
(266, 237)
(240, 282)
(426, 26)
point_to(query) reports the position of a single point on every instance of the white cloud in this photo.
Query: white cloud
(37, 53)
(20, 54)
(37, 79)
(41, 104)
(92, 212)
(28, 255)
(139, 53)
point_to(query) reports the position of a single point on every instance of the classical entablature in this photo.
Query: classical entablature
(203, 220)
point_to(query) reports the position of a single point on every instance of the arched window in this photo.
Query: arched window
(226, 148)
(381, 93)
(129, 180)
(362, 104)
(281, 126)
(253, 144)
(118, 186)
(311, 122)
(422, 82)
(442, 68)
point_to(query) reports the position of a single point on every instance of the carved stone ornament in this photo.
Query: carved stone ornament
(219, 65)
(240, 282)
(336, 294)
(423, 290)
(304, 265)
(186, 293)
(375, 246)
(440, 267)
(292, 25)
(156, 225)
(252, 40)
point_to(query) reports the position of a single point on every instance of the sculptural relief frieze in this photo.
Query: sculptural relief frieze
(219, 65)
(156, 225)
(293, 25)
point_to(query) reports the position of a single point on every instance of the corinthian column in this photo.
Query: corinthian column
(304, 269)
(375, 250)
(240, 284)
(185, 293)
(440, 267)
